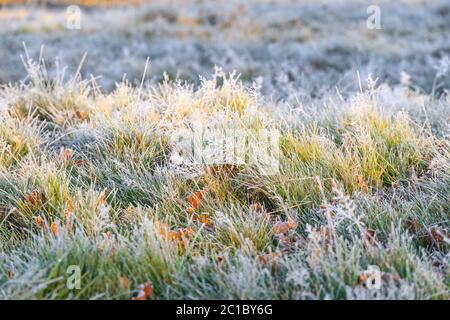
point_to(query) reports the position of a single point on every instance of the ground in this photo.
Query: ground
(98, 200)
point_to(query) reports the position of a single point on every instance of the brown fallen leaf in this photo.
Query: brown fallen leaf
(222, 169)
(191, 212)
(195, 199)
(291, 223)
(268, 259)
(144, 291)
(280, 228)
(362, 277)
(38, 221)
(186, 233)
(3, 212)
(436, 236)
(55, 228)
(220, 260)
(66, 154)
(101, 200)
(257, 207)
(36, 198)
(205, 219)
(10, 274)
(412, 225)
(370, 236)
(284, 227)
(79, 162)
(81, 115)
(362, 185)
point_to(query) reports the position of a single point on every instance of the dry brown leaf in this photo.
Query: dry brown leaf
(16, 141)
(79, 162)
(191, 212)
(257, 207)
(291, 223)
(66, 154)
(412, 225)
(371, 236)
(55, 228)
(195, 199)
(281, 228)
(101, 200)
(362, 277)
(284, 227)
(3, 212)
(38, 221)
(36, 198)
(10, 274)
(81, 115)
(220, 260)
(205, 219)
(268, 259)
(362, 185)
(436, 236)
(69, 204)
(144, 291)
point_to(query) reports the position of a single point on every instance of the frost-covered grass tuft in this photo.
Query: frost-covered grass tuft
(92, 177)
(86, 179)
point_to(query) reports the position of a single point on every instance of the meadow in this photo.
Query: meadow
(92, 184)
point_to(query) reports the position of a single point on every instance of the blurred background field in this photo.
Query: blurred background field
(305, 46)
(69, 2)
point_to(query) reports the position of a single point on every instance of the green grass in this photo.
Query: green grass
(86, 180)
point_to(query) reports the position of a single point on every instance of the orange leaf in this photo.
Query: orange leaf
(195, 199)
(101, 200)
(35, 198)
(412, 225)
(191, 211)
(187, 232)
(69, 204)
(81, 115)
(220, 260)
(362, 185)
(66, 154)
(3, 212)
(291, 223)
(54, 228)
(79, 162)
(10, 274)
(174, 235)
(145, 291)
(38, 221)
(204, 218)
(280, 228)
(257, 207)
(362, 277)
(371, 236)
(436, 236)
(269, 259)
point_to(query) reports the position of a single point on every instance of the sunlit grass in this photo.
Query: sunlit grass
(86, 179)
